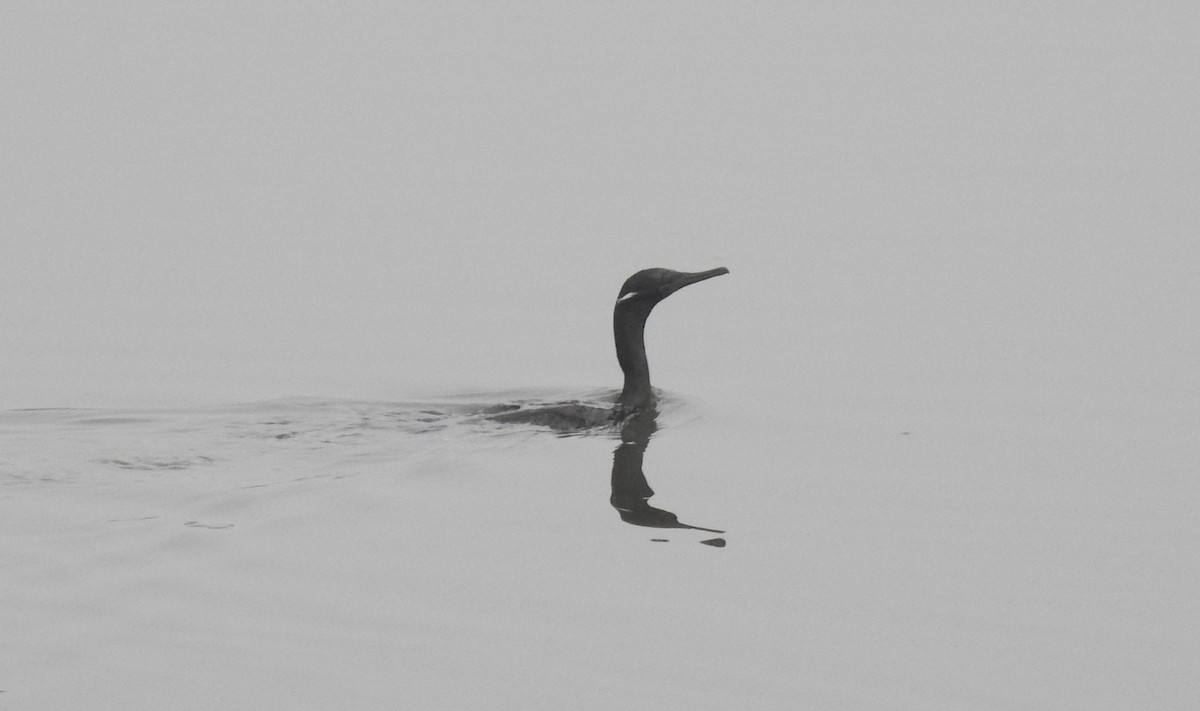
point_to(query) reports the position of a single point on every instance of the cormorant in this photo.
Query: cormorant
(638, 296)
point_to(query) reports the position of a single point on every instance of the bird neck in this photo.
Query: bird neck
(629, 325)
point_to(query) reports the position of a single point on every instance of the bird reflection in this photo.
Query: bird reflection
(630, 490)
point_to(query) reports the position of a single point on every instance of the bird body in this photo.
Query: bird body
(638, 296)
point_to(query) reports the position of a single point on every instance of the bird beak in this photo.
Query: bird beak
(685, 278)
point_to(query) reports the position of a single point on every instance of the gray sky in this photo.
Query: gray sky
(219, 201)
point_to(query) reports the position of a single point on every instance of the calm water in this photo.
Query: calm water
(934, 435)
(372, 553)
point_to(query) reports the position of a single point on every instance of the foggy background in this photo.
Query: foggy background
(229, 202)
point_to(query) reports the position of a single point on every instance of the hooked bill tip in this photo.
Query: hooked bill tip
(701, 276)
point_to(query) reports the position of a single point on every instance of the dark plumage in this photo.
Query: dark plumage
(637, 298)
(639, 295)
